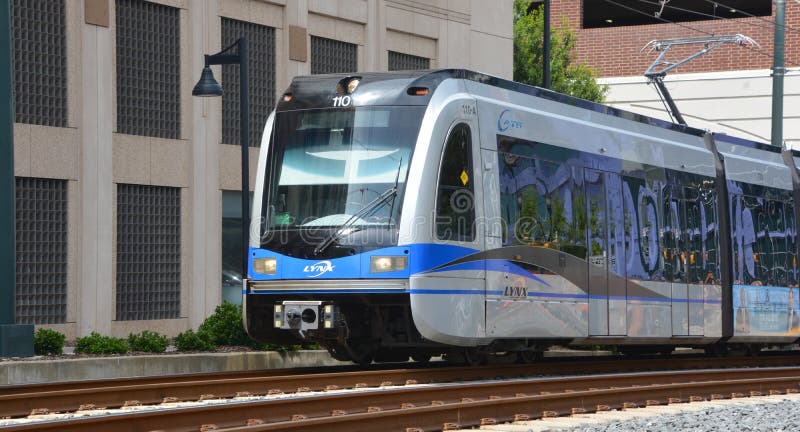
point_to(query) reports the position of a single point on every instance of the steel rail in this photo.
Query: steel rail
(428, 407)
(22, 400)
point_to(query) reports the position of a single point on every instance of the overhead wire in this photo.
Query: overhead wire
(748, 14)
(771, 25)
(632, 9)
(662, 19)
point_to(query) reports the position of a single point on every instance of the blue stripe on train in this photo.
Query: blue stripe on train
(423, 291)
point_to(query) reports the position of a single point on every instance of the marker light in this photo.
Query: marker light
(287, 97)
(383, 264)
(265, 265)
(418, 91)
(347, 85)
(352, 84)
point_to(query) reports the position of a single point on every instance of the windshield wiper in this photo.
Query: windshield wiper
(371, 207)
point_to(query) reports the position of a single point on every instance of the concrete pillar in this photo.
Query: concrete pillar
(295, 14)
(376, 58)
(97, 188)
(206, 212)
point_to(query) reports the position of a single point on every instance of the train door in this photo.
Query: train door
(460, 310)
(617, 270)
(677, 256)
(598, 235)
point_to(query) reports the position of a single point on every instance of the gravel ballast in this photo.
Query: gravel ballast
(762, 414)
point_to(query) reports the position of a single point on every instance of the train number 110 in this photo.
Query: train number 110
(341, 101)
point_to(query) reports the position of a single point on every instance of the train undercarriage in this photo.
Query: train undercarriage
(363, 329)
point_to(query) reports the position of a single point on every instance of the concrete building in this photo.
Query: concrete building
(728, 90)
(127, 208)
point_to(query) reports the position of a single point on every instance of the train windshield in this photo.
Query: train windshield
(337, 167)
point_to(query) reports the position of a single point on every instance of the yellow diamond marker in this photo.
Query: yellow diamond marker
(464, 177)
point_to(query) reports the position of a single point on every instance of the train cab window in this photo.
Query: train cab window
(455, 198)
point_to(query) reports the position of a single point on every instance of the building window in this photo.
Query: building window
(455, 200)
(332, 56)
(40, 62)
(232, 246)
(261, 51)
(399, 61)
(41, 246)
(148, 252)
(601, 13)
(148, 69)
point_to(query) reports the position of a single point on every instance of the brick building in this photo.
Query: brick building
(727, 90)
(127, 202)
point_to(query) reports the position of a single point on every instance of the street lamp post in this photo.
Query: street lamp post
(208, 86)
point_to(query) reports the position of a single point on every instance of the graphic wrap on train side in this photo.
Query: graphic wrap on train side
(451, 212)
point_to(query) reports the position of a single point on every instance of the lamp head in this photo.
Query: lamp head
(207, 85)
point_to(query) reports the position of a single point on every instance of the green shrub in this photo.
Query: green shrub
(191, 341)
(148, 341)
(48, 342)
(225, 326)
(96, 344)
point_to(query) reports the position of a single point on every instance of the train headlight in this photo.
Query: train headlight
(265, 265)
(383, 264)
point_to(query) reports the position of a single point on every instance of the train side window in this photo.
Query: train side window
(709, 233)
(455, 198)
(791, 244)
(775, 243)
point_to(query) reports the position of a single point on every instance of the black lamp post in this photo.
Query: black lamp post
(208, 86)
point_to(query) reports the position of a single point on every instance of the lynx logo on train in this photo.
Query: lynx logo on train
(319, 268)
(507, 121)
(515, 291)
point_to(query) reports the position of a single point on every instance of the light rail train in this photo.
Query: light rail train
(413, 214)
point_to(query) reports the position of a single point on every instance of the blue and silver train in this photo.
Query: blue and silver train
(414, 214)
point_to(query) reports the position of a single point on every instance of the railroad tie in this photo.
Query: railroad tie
(521, 417)
(451, 426)
(254, 422)
(360, 385)
(488, 421)
(208, 427)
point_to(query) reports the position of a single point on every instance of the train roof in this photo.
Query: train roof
(396, 88)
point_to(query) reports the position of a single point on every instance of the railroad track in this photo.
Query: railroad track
(449, 405)
(392, 394)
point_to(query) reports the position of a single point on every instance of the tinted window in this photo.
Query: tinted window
(455, 198)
